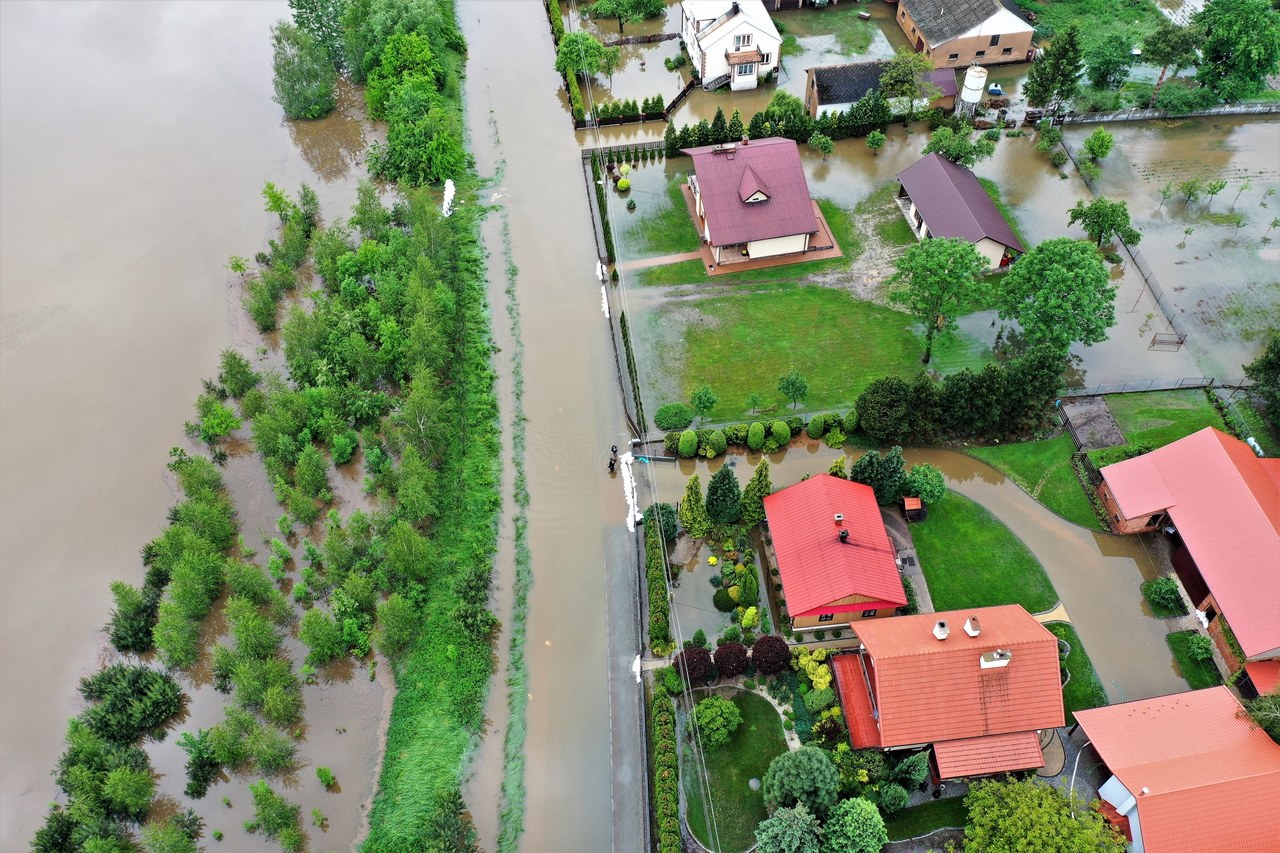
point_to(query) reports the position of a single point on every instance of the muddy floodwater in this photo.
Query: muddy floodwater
(134, 142)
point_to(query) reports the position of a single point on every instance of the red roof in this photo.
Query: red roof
(1204, 777)
(1265, 675)
(817, 569)
(953, 203)
(771, 166)
(983, 756)
(1225, 503)
(927, 690)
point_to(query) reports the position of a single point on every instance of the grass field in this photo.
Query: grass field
(1096, 18)
(1159, 417)
(1199, 674)
(666, 230)
(927, 817)
(970, 559)
(1043, 470)
(738, 809)
(1084, 690)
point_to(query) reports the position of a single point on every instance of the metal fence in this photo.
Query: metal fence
(1138, 385)
(1135, 114)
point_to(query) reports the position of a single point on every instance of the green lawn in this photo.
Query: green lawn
(738, 809)
(1159, 417)
(1084, 690)
(890, 224)
(746, 339)
(970, 559)
(1043, 470)
(1096, 18)
(927, 817)
(664, 230)
(1199, 674)
(993, 190)
(1256, 425)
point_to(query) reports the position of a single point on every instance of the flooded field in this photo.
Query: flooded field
(134, 141)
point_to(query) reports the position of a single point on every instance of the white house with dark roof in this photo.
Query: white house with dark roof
(942, 199)
(958, 33)
(730, 41)
(836, 88)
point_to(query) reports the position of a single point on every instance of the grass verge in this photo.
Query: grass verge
(927, 817)
(665, 230)
(1096, 18)
(1084, 691)
(738, 809)
(1198, 673)
(993, 190)
(970, 559)
(1043, 470)
(1159, 417)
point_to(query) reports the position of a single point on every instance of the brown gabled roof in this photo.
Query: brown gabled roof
(932, 691)
(1225, 503)
(818, 569)
(1205, 778)
(776, 164)
(953, 203)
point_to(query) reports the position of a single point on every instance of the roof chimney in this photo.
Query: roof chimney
(941, 631)
(993, 660)
(839, 519)
(971, 626)
(844, 536)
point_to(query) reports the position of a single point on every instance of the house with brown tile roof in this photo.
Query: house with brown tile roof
(751, 199)
(828, 541)
(943, 199)
(1222, 504)
(959, 33)
(1188, 773)
(979, 685)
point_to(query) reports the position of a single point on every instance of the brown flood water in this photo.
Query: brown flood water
(134, 141)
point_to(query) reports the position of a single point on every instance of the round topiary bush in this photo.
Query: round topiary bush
(731, 659)
(755, 436)
(893, 798)
(770, 655)
(818, 426)
(624, 185)
(723, 601)
(850, 422)
(780, 432)
(688, 444)
(673, 416)
(717, 443)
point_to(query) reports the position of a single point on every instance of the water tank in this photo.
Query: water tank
(975, 82)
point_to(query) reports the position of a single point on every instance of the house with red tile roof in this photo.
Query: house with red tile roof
(751, 199)
(978, 685)
(1188, 773)
(833, 554)
(1223, 503)
(943, 199)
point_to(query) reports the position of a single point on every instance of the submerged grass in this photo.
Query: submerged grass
(666, 230)
(1198, 673)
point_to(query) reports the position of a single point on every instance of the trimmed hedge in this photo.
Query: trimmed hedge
(755, 436)
(666, 772)
(656, 576)
(688, 446)
(673, 416)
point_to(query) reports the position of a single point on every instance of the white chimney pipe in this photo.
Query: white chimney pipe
(941, 631)
(839, 519)
(971, 626)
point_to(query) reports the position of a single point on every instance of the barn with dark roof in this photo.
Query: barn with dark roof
(942, 199)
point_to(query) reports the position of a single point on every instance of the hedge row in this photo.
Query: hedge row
(758, 436)
(666, 773)
(632, 371)
(557, 23)
(656, 575)
(602, 204)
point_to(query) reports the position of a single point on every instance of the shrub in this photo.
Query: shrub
(818, 701)
(893, 798)
(736, 434)
(771, 655)
(914, 769)
(1058, 158)
(717, 444)
(803, 776)
(699, 639)
(755, 436)
(1200, 648)
(717, 719)
(724, 497)
(780, 432)
(273, 814)
(668, 678)
(694, 665)
(624, 185)
(723, 601)
(673, 416)
(1163, 594)
(835, 438)
(688, 444)
(731, 659)
(817, 426)
(326, 777)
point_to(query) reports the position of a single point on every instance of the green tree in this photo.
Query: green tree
(754, 402)
(1169, 46)
(1005, 817)
(1103, 218)
(926, 482)
(935, 280)
(1191, 189)
(1265, 712)
(717, 719)
(406, 56)
(855, 827)
(876, 141)
(719, 128)
(311, 474)
(736, 130)
(959, 146)
(904, 77)
(821, 142)
(128, 792)
(579, 53)
(1239, 47)
(886, 475)
(1098, 144)
(216, 420)
(758, 488)
(1060, 294)
(703, 401)
(805, 775)
(724, 497)
(1264, 372)
(1211, 189)
(794, 387)
(322, 20)
(1054, 77)
(693, 512)
(884, 411)
(236, 374)
(1108, 61)
(322, 636)
(790, 830)
(398, 623)
(304, 78)
(274, 814)
(167, 837)
(610, 61)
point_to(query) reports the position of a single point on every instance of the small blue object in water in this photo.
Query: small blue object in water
(643, 459)
(994, 89)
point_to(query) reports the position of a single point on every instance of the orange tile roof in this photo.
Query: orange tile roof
(929, 690)
(1205, 778)
(1225, 502)
(1265, 674)
(815, 566)
(983, 756)
(855, 699)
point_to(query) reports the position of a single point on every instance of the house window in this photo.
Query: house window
(903, 14)
(764, 60)
(746, 68)
(981, 53)
(826, 617)
(741, 41)
(953, 57)
(1006, 51)
(867, 614)
(913, 31)
(995, 40)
